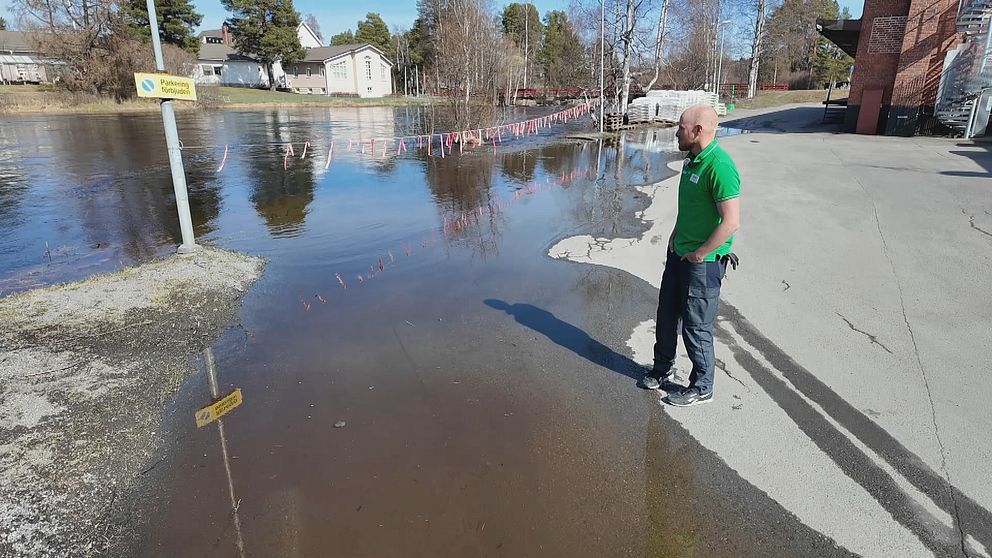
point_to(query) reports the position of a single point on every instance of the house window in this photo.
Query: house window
(368, 69)
(382, 72)
(339, 71)
(218, 69)
(207, 69)
(296, 71)
(321, 70)
(309, 72)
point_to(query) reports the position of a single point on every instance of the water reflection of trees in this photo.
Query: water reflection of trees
(519, 166)
(462, 190)
(624, 163)
(460, 183)
(281, 196)
(560, 158)
(143, 218)
(117, 172)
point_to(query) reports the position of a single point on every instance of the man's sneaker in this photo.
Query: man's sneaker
(653, 380)
(688, 397)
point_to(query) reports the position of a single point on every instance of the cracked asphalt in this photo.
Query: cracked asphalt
(872, 429)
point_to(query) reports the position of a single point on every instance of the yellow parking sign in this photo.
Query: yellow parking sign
(218, 408)
(165, 86)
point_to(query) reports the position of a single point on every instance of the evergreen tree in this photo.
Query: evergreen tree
(793, 43)
(522, 24)
(561, 54)
(176, 21)
(3, 24)
(375, 32)
(345, 38)
(421, 49)
(266, 30)
(831, 64)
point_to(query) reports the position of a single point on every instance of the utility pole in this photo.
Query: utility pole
(172, 144)
(602, 63)
(719, 71)
(526, 41)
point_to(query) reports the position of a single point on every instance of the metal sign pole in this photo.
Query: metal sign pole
(172, 143)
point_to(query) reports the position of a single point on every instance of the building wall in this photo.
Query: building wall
(307, 39)
(381, 82)
(24, 73)
(901, 50)
(341, 84)
(324, 80)
(877, 59)
(233, 73)
(931, 30)
(299, 82)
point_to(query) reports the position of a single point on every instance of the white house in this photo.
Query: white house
(361, 70)
(20, 62)
(219, 64)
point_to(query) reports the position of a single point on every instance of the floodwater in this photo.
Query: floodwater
(419, 378)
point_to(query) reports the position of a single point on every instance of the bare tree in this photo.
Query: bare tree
(659, 46)
(759, 31)
(479, 65)
(99, 52)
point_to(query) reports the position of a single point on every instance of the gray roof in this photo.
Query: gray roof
(211, 33)
(322, 54)
(16, 41)
(221, 52)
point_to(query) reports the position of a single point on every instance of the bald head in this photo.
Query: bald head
(697, 128)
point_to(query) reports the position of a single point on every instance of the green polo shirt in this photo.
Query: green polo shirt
(707, 179)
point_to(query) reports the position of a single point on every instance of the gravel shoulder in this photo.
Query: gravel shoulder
(85, 369)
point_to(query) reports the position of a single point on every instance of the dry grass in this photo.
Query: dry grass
(244, 97)
(767, 99)
(27, 99)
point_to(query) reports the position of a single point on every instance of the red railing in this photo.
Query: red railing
(559, 93)
(741, 88)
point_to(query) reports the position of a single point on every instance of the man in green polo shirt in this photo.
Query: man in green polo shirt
(709, 215)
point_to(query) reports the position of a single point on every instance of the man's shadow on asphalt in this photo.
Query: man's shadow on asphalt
(788, 382)
(568, 336)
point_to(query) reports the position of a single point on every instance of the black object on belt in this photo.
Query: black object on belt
(730, 259)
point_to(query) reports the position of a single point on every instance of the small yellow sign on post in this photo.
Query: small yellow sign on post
(218, 409)
(165, 86)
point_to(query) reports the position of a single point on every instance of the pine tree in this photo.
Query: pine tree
(3, 24)
(345, 38)
(266, 30)
(561, 54)
(176, 21)
(522, 24)
(375, 32)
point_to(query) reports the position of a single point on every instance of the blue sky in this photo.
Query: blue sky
(337, 15)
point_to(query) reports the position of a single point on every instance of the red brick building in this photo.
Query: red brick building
(899, 47)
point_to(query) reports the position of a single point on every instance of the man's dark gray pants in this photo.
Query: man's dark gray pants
(689, 296)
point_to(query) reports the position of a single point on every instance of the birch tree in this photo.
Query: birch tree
(659, 44)
(759, 32)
